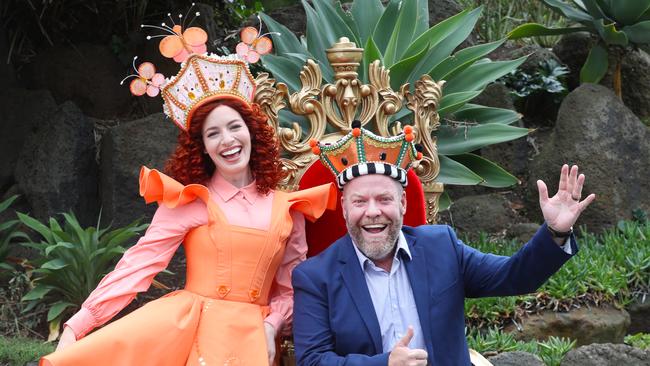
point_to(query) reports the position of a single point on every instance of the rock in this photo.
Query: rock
(7, 73)
(124, 149)
(585, 325)
(440, 10)
(292, 17)
(489, 213)
(606, 355)
(22, 112)
(639, 315)
(522, 232)
(517, 358)
(89, 75)
(597, 132)
(56, 169)
(495, 95)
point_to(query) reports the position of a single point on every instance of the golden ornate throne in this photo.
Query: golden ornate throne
(337, 105)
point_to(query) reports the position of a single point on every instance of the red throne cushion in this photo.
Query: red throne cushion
(331, 226)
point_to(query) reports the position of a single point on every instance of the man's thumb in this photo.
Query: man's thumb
(404, 342)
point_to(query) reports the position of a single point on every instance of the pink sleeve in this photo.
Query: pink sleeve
(138, 266)
(282, 292)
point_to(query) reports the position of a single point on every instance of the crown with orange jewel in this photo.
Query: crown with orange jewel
(203, 77)
(361, 152)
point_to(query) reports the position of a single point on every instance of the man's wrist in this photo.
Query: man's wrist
(559, 234)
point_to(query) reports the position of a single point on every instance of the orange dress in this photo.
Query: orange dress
(217, 319)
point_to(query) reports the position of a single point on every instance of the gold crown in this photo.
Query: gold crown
(204, 78)
(361, 152)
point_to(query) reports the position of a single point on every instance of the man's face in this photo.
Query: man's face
(373, 208)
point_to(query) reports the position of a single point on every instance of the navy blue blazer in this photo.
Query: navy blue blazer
(334, 319)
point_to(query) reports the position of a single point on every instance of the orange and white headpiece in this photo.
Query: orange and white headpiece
(203, 76)
(361, 152)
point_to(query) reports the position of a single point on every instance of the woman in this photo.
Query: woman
(241, 239)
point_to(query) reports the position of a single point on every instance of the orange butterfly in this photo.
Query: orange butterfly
(253, 45)
(146, 81)
(180, 44)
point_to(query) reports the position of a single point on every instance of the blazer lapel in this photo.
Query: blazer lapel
(417, 272)
(355, 281)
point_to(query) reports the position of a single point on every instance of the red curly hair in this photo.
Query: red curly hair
(188, 164)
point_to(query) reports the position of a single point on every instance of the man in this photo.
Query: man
(388, 294)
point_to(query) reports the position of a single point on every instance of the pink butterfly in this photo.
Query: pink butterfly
(147, 81)
(253, 45)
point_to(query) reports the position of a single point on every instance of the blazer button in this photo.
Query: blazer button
(254, 294)
(223, 290)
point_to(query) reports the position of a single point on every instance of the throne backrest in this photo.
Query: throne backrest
(334, 106)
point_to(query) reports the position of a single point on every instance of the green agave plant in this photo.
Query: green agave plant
(8, 233)
(617, 22)
(399, 35)
(72, 260)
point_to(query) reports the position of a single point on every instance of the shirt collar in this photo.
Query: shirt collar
(402, 245)
(227, 191)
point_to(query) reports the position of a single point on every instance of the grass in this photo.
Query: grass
(19, 351)
(610, 268)
(501, 16)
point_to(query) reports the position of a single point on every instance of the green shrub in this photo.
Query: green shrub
(639, 340)
(551, 351)
(610, 268)
(8, 232)
(71, 262)
(19, 351)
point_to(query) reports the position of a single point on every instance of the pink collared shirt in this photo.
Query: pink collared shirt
(151, 254)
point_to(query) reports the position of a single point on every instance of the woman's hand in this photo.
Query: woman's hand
(67, 338)
(269, 330)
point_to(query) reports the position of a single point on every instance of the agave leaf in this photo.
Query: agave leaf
(332, 23)
(366, 15)
(460, 140)
(62, 244)
(325, 68)
(569, 11)
(481, 114)
(402, 33)
(628, 12)
(610, 34)
(493, 175)
(370, 54)
(284, 69)
(286, 41)
(444, 201)
(536, 30)
(383, 30)
(438, 32)
(422, 21)
(318, 39)
(444, 46)
(453, 172)
(401, 70)
(638, 33)
(454, 101)
(479, 75)
(462, 60)
(596, 12)
(596, 65)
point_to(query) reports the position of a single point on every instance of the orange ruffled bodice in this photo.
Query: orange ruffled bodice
(218, 318)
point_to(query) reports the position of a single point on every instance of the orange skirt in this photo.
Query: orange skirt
(182, 328)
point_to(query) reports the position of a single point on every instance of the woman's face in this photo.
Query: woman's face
(228, 142)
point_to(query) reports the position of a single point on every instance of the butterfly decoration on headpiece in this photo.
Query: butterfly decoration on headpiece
(147, 80)
(254, 44)
(203, 76)
(180, 44)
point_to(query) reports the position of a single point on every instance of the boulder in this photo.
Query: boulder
(585, 325)
(572, 49)
(124, 149)
(639, 311)
(56, 169)
(89, 75)
(522, 232)
(516, 358)
(606, 355)
(489, 213)
(22, 112)
(612, 148)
